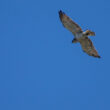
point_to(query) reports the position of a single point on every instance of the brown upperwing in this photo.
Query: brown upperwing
(88, 47)
(69, 24)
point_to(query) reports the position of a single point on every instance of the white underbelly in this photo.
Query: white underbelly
(78, 36)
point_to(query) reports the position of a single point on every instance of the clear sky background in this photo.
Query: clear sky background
(40, 69)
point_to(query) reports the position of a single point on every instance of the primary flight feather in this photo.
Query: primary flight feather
(80, 36)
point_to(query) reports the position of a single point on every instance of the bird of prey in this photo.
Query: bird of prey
(80, 36)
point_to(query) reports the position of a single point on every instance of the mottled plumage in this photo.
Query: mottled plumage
(80, 36)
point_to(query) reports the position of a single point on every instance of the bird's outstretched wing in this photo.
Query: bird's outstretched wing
(69, 23)
(88, 47)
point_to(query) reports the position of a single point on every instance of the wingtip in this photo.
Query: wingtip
(99, 56)
(60, 12)
(96, 56)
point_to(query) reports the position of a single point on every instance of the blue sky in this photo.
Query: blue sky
(40, 69)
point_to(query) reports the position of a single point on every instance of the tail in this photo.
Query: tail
(89, 33)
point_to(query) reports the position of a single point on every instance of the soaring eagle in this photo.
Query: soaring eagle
(80, 36)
